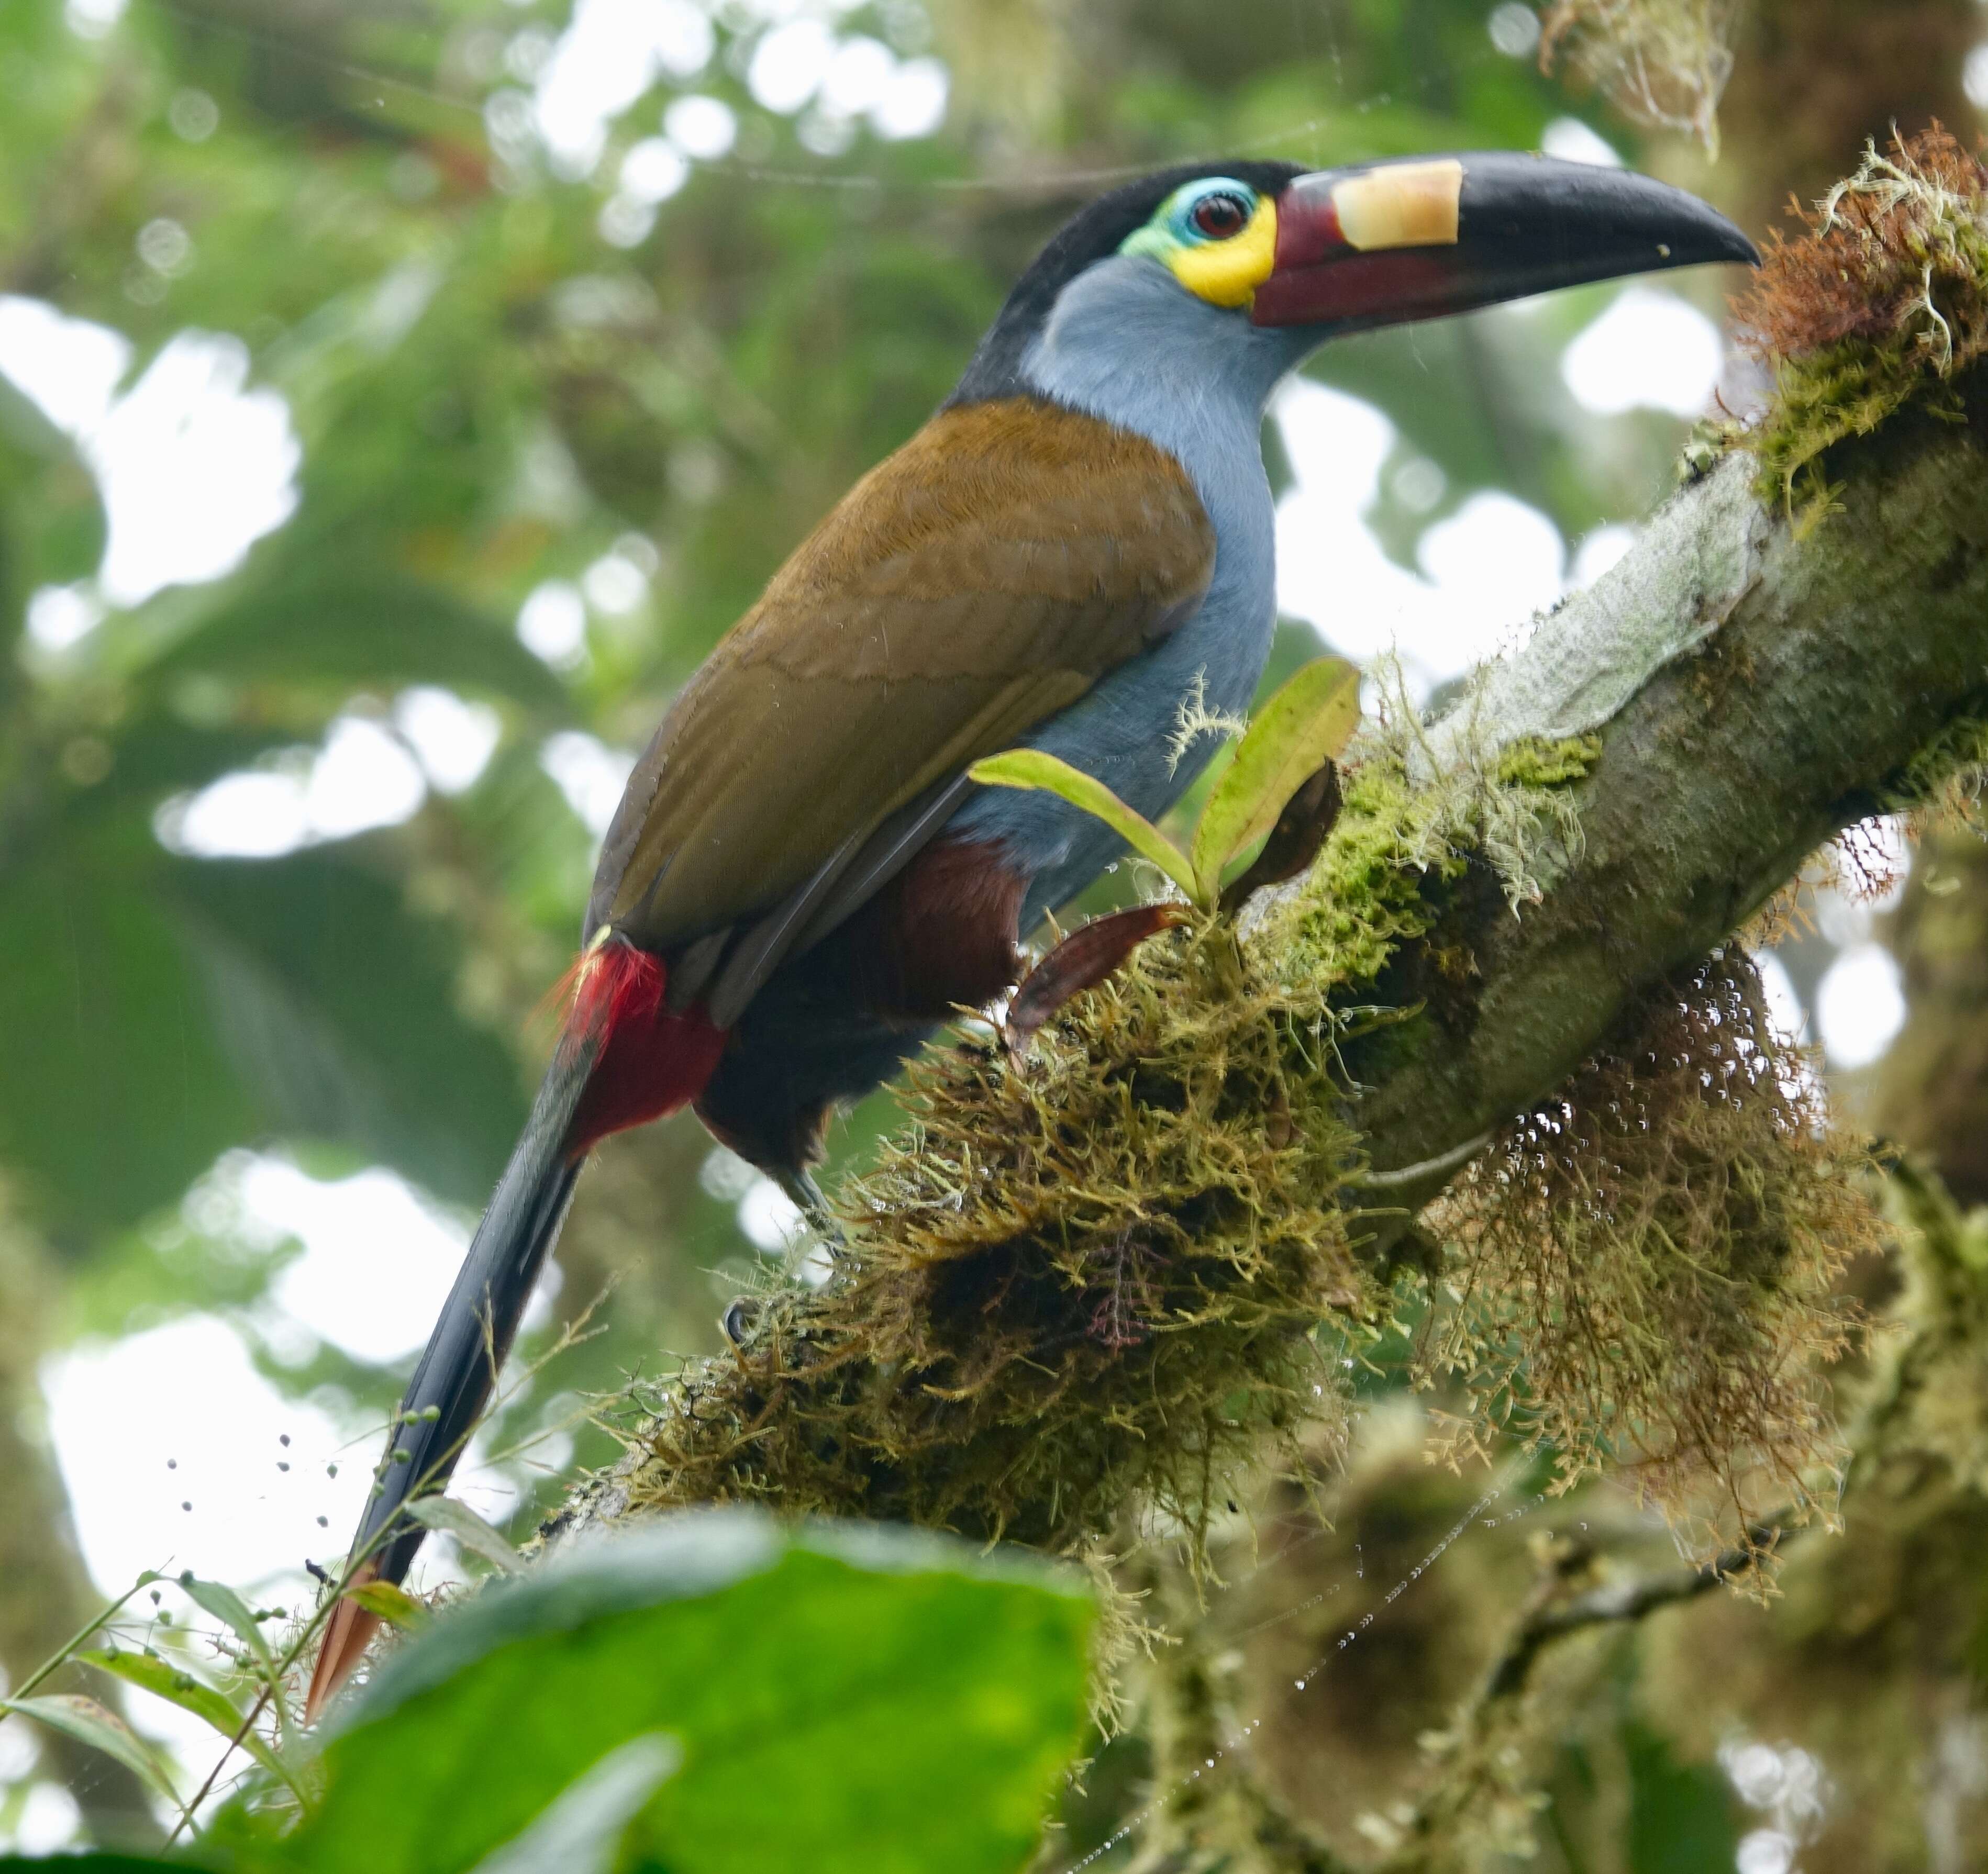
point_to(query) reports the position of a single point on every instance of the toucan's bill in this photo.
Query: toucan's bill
(1385, 243)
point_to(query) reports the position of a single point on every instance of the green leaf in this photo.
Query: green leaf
(1304, 725)
(393, 1605)
(457, 1519)
(114, 1093)
(233, 1612)
(178, 1686)
(173, 1683)
(102, 1729)
(337, 1007)
(1681, 1814)
(854, 1671)
(157, 1010)
(1030, 768)
(347, 631)
(581, 1832)
(229, 1607)
(52, 519)
(50, 514)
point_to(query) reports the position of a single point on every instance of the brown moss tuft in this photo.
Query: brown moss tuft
(1873, 1657)
(1661, 63)
(1094, 1273)
(1643, 1269)
(1881, 300)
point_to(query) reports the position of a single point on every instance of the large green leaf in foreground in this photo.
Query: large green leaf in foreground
(868, 1700)
(87, 1864)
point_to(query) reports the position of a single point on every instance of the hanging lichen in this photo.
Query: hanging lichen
(1643, 1267)
(1661, 62)
(1881, 300)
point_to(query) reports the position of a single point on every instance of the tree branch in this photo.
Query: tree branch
(1484, 1751)
(1756, 691)
(1552, 1615)
(1752, 689)
(1742, 688)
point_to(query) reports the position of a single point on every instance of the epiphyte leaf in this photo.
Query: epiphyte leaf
(1306, 722)
(450, 1517)
(1030, 768)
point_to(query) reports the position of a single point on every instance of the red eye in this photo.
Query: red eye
(1221, 217)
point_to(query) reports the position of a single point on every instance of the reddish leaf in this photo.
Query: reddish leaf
(1294, 841)
(1081, 961)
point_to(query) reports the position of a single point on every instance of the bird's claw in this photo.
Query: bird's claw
(807, 1197)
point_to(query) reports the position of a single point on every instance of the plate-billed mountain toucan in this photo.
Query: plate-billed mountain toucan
(800, 884)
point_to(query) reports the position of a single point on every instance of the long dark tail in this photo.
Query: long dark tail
(625, 1058)
(452, 1384)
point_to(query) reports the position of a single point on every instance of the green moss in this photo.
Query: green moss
(1848, 390)
(1945, 783)
(1370, 891)
(1539, 761)
(1092, 1272)
(1364, 897)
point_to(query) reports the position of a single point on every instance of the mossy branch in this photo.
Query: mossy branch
(1098, 1278)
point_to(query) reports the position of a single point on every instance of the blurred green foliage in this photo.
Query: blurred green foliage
(489, 394)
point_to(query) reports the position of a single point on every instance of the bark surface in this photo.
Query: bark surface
(1756, 690)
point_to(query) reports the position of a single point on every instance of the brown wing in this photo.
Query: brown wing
(979, 580)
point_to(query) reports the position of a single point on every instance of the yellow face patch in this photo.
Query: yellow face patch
(1229, 272)
(1406, 205)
